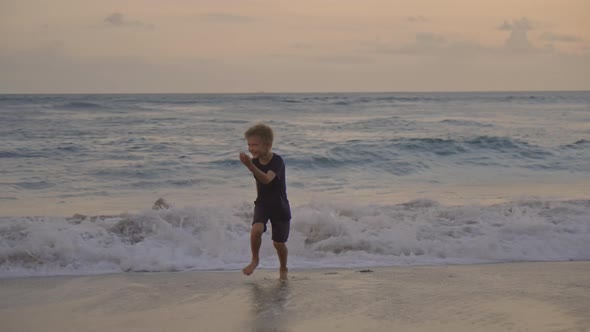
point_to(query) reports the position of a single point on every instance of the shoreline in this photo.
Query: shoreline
(116, 206)
(291, 269)
(517, 296)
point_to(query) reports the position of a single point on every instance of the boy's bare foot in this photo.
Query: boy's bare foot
(283, 273)
(248, 270)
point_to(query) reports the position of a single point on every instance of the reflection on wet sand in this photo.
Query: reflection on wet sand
(269, 300)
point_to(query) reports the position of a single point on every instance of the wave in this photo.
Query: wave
(406, 99)
(292, 101)
(170, 183)
(382, 123)
(8, 154)
(322, 235)
(340, 99)
(578, 144)
(540, 97)
(503, 145)
(34, 185)
(23, 152)
(465, 123)
(80, 105)
(415, 154)
(451, 146)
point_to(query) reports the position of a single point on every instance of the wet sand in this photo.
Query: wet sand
(491, 297)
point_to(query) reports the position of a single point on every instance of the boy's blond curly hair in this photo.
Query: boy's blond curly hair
(261, 130)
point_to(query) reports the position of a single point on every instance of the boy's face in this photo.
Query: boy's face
(257, 147)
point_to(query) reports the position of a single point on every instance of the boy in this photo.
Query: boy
(271, 201)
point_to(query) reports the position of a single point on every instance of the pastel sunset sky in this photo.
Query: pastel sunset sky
(150, 46)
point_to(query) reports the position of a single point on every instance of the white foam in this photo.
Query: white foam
(322, 235)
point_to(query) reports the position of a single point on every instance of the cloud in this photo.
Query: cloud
(228, 18)
(119, 20)
(518, 41)
(325, 59)
(523, 24)
(434, 44)
(344, 59)
(115, 19)
(548, 36)
(426, 43)
(417, 19)
(430, 38)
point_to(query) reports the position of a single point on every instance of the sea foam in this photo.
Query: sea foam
(322, 235)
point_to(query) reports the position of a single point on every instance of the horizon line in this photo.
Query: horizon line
(286, 92)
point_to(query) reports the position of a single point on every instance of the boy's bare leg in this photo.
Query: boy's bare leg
(282, 252)
(255, 242)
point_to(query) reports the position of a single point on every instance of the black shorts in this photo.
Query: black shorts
(280, 227)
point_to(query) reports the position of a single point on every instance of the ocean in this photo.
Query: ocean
(374, 179)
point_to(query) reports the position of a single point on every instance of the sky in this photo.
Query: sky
(205, 46)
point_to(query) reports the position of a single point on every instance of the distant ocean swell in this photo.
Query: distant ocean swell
(423, 152)
(323, 235)
(124, 163)
(339, 99)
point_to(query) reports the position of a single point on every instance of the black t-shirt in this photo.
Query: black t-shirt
(272, 197)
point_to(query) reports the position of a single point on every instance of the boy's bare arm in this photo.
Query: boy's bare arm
(264, 178)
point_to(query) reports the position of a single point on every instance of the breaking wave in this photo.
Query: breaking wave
(322, 235)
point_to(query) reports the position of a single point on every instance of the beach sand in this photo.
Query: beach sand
(491, 297)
